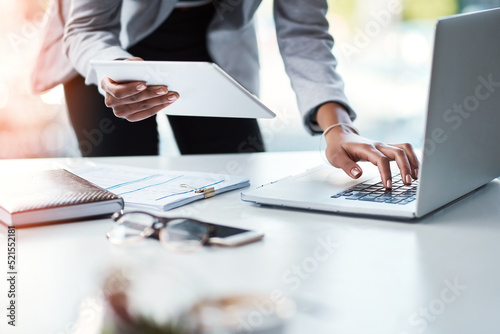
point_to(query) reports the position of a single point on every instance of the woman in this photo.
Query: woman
(222, 32)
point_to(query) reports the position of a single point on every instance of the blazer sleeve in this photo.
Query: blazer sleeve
(93, 32)
(306, 48)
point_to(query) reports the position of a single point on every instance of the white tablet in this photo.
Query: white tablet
(204, 88)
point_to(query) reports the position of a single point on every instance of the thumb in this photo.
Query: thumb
(134, 59)
(342, 160)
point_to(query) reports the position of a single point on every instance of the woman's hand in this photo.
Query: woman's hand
(135, 101)
(345, 148)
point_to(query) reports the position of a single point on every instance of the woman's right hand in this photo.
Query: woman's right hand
(135, 101)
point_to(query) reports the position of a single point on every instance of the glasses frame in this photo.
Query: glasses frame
(159, 224)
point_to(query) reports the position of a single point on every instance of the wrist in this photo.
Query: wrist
(338, 129)
(333, 117)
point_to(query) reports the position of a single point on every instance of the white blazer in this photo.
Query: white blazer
(104, 29)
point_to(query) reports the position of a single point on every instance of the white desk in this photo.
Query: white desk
(380, 277)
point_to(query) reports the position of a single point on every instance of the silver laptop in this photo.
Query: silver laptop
(461, 149)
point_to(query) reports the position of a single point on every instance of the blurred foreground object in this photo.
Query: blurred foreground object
(252, 314)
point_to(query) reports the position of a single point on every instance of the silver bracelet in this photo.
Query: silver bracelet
(350, 127)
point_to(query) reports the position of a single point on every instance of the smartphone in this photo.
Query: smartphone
(233, 236)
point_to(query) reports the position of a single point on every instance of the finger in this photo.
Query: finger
(341, 159)
(143, 114)
(127, 110)
(412, 158)
(372, 154)
(122, 90)
(399, 155)
(134, 59)
(150, 92)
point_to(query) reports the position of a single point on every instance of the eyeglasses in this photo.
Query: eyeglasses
(175, 234)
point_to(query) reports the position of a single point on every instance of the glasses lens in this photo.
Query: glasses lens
(131, 227)
(184, 235)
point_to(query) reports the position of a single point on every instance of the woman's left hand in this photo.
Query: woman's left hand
(345, 148)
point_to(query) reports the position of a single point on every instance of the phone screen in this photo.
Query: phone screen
(222, 231)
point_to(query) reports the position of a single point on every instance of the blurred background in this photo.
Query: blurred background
(383, 47)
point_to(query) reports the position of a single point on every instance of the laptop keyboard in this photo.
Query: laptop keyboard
(373, 191)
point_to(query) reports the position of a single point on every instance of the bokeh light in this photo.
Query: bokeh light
(54, 96)
(25, 117)
(4, 95)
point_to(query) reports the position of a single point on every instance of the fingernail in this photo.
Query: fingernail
(416, 173)
(141, 87)
(355, 171)
(408, 178)
(172, 98)
(388, 184)
(161, 91)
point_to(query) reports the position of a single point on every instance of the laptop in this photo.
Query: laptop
(461, 151)
(204, 88)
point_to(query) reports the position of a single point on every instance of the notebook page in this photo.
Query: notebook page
(158, 189)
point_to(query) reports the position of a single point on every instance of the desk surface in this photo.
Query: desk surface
(347, 275)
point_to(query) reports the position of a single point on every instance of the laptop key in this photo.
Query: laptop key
(356, 195)
(393, 201)
(368, 198)
(360, 187)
